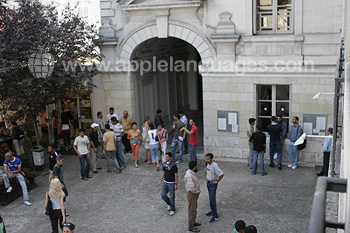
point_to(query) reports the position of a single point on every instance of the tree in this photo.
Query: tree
(35, 29)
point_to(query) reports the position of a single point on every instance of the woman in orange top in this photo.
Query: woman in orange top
(134, 136)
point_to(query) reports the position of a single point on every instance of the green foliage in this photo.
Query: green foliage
(34, 28)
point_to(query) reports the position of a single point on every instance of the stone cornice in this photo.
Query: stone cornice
(162, 5)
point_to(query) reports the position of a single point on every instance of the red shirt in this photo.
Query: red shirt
(194, 136)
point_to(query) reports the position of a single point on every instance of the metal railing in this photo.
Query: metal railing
(318, 223)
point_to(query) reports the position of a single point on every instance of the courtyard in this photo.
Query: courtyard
(131, 202)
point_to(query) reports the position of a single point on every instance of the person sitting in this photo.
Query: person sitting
(12, 168)
(239, 226)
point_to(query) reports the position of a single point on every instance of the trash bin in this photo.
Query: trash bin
(38, 155)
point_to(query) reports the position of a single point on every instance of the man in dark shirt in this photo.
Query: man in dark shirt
(95, 143)
(178, 137)
(259, 147)
(158, 119)
(170, 182)
(276, 133)
(52, 160)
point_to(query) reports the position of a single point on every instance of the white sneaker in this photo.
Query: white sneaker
(9, 189)
(290, 165)
(294, 167)
(172, 213)
(169, 207)
(275, 156)
(27, 203)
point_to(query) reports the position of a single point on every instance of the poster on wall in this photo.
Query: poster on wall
(315, 124)
(227, 121)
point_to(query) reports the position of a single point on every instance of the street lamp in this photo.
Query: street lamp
(318, 95)
(41, 64)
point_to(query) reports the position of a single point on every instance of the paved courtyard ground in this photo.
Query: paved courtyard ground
(130, 201)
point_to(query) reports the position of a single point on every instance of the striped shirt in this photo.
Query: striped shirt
(191, 182)
(117, 129)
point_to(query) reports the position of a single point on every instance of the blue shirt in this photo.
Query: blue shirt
(284, 128)
(327, 143)
(13, 165)
(295, 132)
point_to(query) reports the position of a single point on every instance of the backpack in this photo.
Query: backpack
(303, 145)
(20, 134)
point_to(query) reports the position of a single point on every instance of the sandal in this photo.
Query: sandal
(194, 230)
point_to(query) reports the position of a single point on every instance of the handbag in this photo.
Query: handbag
(49, 209)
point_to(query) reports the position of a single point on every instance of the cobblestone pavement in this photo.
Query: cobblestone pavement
(130, 201)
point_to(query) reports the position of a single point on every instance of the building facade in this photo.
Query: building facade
(226, 60)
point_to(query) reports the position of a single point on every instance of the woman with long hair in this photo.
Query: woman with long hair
(154, 146)
(134, 136)
(145, 129)
(55, 196)
(163, 138)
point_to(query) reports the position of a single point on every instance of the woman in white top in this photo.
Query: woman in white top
(154, 146)
(145, 128)
(55, 196)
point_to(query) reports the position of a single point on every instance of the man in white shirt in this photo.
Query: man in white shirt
(184, 120)
(214, 175)
(111, 114)
(82, 148)
(119, 133)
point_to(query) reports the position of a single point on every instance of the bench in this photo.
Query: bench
(6, 198)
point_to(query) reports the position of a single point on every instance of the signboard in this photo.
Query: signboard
(315, 124)
(228, 121)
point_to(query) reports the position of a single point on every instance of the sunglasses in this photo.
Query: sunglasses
(67, 225)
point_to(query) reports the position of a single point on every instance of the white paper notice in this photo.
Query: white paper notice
(316, 131)
(321, 123)
(232, 118)
(221, 123)
(308, 128)
(234, 128)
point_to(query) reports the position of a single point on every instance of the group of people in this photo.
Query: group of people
(277, 131)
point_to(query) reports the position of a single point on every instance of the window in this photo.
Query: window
(273, 16)
(272, 100)
(83, 12)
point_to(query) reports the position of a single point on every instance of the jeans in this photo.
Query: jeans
(275, 146)
(169, 188)
(21, 181)
(84, 170)
(293, 153)
(255, 162)
(174, 144)
(193, 156)
(119, 154)
(251, 154)
(111, 155)
(154, 152)
(163, 151)
(212, 198)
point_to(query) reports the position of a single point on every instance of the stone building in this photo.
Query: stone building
(243, 59)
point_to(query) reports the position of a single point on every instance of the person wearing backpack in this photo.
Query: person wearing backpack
(17, 136)
(295, 132)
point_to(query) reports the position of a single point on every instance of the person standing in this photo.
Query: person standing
(178, 138)
(154, 146)
(68, 227)
(275, 132)
(65, 126)
(17, 136)
(54, 129)
(110, 148)
(101, 130)
(95, 144)
(58, 174)
(250, 132)
(44, 125)
(295, 132)
(326, 149)
(126, 121)
(170, 182)
(259, 146)
(145, 129)
(134, 136)
(193, 139)
(193, 191)
(214, 176)
(82, 148)
(56, 196)
(52, 160)
(283, 125)
(158, 119)
(111, 114)
(119, 133)
(13, 168)
(184, 120)
(163, 138)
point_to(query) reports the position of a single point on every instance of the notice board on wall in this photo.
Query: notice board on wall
(227, 121)
(315, 124)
